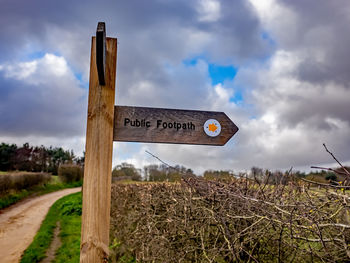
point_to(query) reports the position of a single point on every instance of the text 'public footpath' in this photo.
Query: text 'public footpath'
(159, 124)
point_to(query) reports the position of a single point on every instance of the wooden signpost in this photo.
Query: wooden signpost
(107, 123)
(98, 157)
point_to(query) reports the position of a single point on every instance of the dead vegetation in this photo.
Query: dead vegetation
(21, 180)
(240, 221)
(237, 220)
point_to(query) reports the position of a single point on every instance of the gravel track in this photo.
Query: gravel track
(20, 222)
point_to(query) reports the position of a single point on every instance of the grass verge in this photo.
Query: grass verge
(67, 210)
(54, 185)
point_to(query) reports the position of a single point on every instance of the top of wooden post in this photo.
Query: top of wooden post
(101, 52)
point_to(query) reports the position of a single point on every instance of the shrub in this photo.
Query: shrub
(331, 177)
(71, 207)
(5, 183)
(69, 173)
(20, 181)
(126, 171)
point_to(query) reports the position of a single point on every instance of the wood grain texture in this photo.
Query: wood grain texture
(156, 134)
(98, 159)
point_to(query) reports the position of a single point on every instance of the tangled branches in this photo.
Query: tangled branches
(239, 221)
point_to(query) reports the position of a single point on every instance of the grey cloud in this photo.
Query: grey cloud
(323, 38)
(42, 103)
(316, 111)
(157, 26)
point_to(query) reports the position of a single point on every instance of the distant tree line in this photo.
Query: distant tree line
(163, 173)
(35, 159)
(43, 159)
(151, 173)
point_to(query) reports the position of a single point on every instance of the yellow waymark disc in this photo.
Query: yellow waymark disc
(212, 127)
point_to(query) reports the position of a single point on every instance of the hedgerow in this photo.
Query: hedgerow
(243, 220)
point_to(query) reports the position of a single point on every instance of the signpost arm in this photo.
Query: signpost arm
(98, 158)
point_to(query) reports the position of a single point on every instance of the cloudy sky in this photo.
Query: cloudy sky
(280, 69)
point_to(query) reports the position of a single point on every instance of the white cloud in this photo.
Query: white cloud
(209, 10)
(20, 71)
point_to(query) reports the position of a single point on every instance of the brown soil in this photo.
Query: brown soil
(55, 244)
(19, 223)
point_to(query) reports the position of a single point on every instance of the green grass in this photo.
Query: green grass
(55, 179)
(53, 186)
(67, 210)
(2, 172)
(70, 236)
(12, 198)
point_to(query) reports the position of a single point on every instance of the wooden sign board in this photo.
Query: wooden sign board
(157, 125)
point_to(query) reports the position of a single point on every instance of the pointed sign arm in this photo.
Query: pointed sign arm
(157, 125)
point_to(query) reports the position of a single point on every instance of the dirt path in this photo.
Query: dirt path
(19, 224)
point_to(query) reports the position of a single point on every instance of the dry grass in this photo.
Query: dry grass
(17, 181)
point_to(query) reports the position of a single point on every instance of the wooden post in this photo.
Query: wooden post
(98, 159)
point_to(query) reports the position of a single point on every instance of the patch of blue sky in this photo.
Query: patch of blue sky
(190, 62)
(193, 61)
(40, 54)
(273, 46)
(35, 55)
(83, 84)
(219, 73)
(267, 37)
(79, 76)
(237, 98)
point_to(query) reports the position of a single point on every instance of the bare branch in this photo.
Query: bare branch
(168, 165)
(327, 185)
(345, 170)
